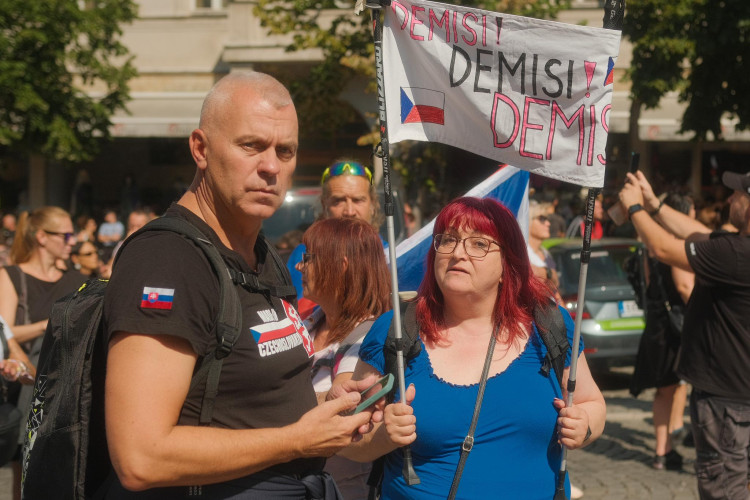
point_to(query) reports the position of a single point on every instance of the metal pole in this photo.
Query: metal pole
(614, 11)
(376, 6)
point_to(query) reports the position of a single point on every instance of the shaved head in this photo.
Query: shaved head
(221, 94)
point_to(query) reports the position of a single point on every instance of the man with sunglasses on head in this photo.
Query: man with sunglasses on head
(267, 436)
(348, 191)
(715, 344)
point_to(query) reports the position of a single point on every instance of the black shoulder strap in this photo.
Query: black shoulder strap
(4, 341)
(551, 326)
(229, 319)
(252, 283)
(18, 276)
(409, 338)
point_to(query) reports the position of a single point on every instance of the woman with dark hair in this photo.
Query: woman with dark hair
(28, 289)
(668, 290)
(85, 258)
(344, 272)
(475, 305)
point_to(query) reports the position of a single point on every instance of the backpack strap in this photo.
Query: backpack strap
(409, 340)
(18, 276)
(229, 319)
(551, 327)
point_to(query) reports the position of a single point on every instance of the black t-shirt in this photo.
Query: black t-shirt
(163, 284)
(716, 337)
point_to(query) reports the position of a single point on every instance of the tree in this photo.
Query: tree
(697, 48)
(63, 73)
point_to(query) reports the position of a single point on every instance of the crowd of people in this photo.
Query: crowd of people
(281, 424)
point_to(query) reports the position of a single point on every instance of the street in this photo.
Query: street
(617, 465)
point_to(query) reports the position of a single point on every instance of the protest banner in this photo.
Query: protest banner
(532, 93)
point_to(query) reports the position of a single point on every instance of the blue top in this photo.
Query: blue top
(515, 453)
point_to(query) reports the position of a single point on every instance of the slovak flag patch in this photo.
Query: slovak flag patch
(157, 298)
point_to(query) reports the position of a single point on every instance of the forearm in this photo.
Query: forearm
(25, 333)
(189, 455)
(372, 445)
(680, 225)
(662, 245)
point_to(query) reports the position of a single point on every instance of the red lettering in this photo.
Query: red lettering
(469, 28)
(395, 5)
(578, 115)
(493, 120)
(444, 19)
(414, 22)
(528, 125)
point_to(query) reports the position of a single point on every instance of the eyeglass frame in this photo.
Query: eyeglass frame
(346, 167)
(436, 243)
(87, 254)
(542, 218)
(66, 236)
(306, 258)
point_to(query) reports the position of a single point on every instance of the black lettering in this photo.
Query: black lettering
(503, 62)
(552, 76)
(454, 83)
(533, 73)
(481, 67)
(570, 78)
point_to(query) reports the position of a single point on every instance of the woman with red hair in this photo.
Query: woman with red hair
(475, 306)
(344, 271)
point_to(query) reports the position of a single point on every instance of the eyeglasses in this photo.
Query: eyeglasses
(66, 236)
(475, 246)
(87, 254)
(346, 168)
(542, 218)
(306, 258)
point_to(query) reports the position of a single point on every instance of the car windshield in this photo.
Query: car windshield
(606, 267)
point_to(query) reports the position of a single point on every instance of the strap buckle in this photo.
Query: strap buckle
(468, 444)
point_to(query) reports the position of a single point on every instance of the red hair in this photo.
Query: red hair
(520, 291)
(362, 287)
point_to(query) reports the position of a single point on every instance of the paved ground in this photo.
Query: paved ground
(617, 466)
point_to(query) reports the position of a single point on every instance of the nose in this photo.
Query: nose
(349, 209)
(460, 250)
(269, 163)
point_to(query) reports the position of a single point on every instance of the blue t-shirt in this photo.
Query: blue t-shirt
(515, 453)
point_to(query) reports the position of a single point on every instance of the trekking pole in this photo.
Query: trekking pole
(376, 6)
(613, 16)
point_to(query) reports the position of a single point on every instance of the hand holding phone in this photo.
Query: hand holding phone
(385, 383)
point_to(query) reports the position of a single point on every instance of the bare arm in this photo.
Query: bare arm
(588, 411)
(680, 225)
(684, 281)
(8, 306)
(147, 381)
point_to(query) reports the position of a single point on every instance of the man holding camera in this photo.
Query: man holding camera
(716, 337)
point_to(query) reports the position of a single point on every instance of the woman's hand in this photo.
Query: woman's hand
(573, 425)
(400, 422)
(14, 369)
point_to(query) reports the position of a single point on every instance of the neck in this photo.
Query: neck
(535, 243)
(469, 311)
(230, 229)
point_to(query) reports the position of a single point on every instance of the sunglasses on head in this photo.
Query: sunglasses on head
(346, 168)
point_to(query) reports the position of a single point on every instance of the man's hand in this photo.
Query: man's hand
(400, 422)
(631, 193)
(573, 425)
(650, 200)
(325, 429)
(349, 386)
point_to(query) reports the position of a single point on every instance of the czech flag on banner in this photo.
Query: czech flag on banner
(509, 186)
(420, 105)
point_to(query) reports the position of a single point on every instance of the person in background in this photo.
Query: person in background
(8, 227)
(576, 227)
(668, 290)
(86, 228)
(44, 237)
(347, 192)
(84, 257)
(542, 263)
(345, 273)
(715, 349)
(111, 230)
(479, 291)
(14, 364)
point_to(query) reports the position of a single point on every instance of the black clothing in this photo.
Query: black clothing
(163, 285)
(716, 338)
(657, 351)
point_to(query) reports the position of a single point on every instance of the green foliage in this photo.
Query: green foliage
(697, 48)
(51, 51)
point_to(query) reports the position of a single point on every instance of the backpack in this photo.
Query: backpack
(549, 323)
(65, 453)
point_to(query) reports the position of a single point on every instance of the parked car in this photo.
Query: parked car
(612, 322)
(302, 206)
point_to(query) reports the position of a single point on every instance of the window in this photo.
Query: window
(210, 4)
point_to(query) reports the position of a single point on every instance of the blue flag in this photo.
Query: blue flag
(509, 186)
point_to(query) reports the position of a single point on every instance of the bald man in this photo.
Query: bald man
(267, 435)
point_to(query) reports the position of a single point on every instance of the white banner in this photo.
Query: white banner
(535, 94)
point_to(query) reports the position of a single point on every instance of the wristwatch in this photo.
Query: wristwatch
(636, 207)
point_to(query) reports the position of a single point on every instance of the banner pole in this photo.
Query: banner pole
(376, 6)
(614, 12)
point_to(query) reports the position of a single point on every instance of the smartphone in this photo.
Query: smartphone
(386, 384)
(635, 159)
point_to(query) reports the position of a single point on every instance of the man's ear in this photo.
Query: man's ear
(198, 148)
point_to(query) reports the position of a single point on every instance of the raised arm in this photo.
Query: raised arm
(148, 378)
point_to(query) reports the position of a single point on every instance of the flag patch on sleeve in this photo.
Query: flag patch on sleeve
(157, 298)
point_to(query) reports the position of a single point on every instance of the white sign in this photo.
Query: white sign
(535, 94)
